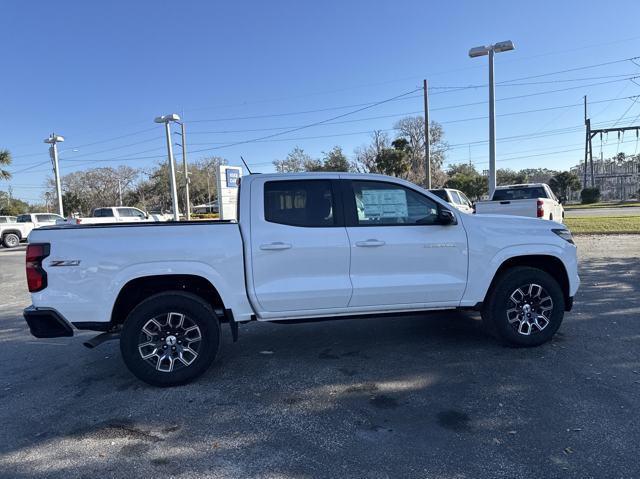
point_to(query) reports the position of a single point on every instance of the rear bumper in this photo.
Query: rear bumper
(46, 323)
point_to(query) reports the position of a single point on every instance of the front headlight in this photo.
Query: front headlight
(565, 234)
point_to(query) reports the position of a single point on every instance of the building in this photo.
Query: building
(618, 179)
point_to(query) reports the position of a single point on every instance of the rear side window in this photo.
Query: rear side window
(44, 218)
(102, 213)
(519, 193)
(307, 203)
(442, 194)
(24, 219)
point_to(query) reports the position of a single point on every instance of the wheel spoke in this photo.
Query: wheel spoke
(175, 320)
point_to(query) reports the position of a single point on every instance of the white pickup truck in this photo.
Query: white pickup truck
(306, 247)
(535, 200)
(12, 234)
(111, 214)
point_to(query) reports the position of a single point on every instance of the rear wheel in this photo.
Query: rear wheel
(525, 307)
(170, 338)
(10, 240)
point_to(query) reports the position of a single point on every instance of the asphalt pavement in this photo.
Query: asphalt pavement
(429, 396)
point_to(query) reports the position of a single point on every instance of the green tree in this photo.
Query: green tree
(465, 177)
(505, 176)
(394, 161)
(564, 182)
(5, 160)
(13, 206)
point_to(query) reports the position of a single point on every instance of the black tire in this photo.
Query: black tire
(166, 309)
(508, 318)
(10, 240)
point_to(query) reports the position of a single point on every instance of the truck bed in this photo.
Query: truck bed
(88, 265)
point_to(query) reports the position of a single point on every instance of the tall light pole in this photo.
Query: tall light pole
(167, 119)
(491, 50)
(53, 152)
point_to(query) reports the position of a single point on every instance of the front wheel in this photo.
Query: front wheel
(525, 307)
(170, 338)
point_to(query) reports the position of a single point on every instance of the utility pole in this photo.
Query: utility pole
(120, 191)
(167, 119)
(53, 152)
(186, 171)
(588, 152)
(427, 152)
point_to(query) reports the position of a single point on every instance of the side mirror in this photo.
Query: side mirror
(446, 217)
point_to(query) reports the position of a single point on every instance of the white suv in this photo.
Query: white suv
(455, 197)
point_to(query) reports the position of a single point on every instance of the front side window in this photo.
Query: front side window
(465, 200)
(307, 203)
(125, 212)
(379, 204)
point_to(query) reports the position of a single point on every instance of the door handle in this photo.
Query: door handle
(370, 243)
(278, 245)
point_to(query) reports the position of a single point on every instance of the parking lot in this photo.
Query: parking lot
(423, 396)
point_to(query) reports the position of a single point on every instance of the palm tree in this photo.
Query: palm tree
(5, 159)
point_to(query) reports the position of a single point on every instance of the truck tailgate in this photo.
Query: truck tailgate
(526, 207)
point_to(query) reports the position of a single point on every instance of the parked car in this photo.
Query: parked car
(454, 197)
(7, 219)
(111, 214)
(534, 200)
(14, 233)
(306, 247)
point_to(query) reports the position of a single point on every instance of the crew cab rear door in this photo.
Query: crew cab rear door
(400, 253)
(299, 246)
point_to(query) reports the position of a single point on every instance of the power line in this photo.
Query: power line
(310, 125)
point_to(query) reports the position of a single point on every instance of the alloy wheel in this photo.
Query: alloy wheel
(169, 342)
(530, 309)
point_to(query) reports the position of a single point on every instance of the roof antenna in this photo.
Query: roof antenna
(245, 165)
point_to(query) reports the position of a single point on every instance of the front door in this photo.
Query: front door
(299, 246)
(400, 253)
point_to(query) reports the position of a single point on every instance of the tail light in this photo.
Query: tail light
(36, 276)
(78, 221)
(540, 212)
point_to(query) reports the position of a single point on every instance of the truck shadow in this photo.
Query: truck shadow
(420, 395)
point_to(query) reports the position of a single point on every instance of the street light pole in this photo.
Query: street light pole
(53, 152)
(491, 50)
(492, 127)
(167, 119)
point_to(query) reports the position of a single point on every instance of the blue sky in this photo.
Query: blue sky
(97, 71)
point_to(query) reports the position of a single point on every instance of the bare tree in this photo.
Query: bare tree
(297, 160)
(366, 155)
(412, 130)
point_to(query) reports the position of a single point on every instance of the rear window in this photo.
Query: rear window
(299, 203)
(519, 193)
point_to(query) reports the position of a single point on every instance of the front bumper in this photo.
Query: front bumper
(46, 323)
